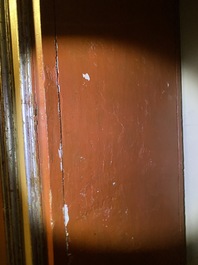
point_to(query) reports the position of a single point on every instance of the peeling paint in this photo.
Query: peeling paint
(86, 76)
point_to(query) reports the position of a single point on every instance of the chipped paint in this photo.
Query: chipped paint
(86, 76)
(60, 154)
(66, 214)
(66, 221)
(60, 151)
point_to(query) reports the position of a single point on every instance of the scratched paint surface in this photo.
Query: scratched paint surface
(117, 193)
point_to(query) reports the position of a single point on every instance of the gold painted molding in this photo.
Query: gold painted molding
(19, 129)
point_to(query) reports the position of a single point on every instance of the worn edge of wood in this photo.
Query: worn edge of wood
(27, 46)
(42, 132)
(19, 161)
(10, 178)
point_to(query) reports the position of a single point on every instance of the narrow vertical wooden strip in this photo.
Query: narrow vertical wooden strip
(19, 128)
(3, 249)
(43, 131)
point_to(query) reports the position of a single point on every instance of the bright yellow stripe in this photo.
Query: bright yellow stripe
(19, 128)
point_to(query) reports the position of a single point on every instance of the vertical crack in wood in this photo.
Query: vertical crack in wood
(61, 132)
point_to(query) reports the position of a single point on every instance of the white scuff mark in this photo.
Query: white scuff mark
(61, 166)
(83, 194)
(167, 84)
(60, 154)
(114, 183)
(66, 214)
(86, 76)
(66, 221)
(60, 151)
(107, 214)
(50, 199)
(50, 202)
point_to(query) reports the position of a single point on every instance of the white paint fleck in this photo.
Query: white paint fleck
(114, 183)
(65, 214)
(50, 202)
(98, 191)
(60, 154)
(60, 151)
(61, 166)
(86, 76)
(167, 84)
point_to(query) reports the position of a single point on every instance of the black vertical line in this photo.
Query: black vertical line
(59, 98)
(61, 127)
(60, 124)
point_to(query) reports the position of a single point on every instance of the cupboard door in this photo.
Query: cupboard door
(114, 121)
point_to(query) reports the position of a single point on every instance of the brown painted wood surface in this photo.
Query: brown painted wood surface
(114, 131)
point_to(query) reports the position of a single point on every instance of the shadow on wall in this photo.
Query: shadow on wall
(169, 255)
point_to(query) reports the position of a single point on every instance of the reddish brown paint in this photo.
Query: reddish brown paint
(120, 131)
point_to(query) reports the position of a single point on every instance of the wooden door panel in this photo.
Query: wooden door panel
(120, 185)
